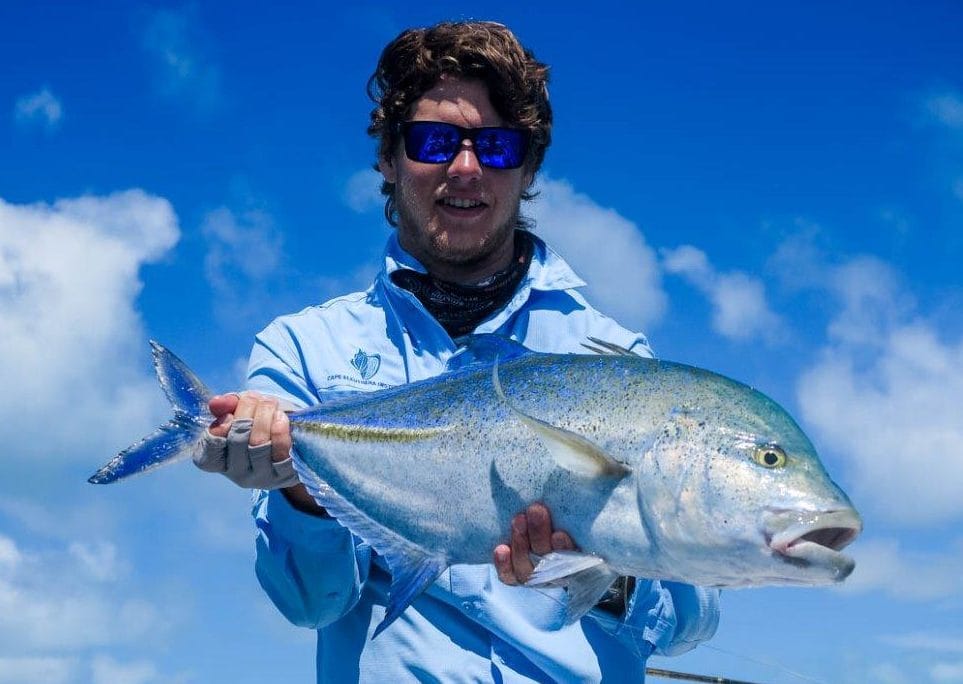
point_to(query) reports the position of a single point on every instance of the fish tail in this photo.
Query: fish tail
(173, 440)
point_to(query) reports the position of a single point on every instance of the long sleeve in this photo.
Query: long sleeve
(672, 617)
(309, 566)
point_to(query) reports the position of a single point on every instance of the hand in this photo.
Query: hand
(531, 533)
(249, 442)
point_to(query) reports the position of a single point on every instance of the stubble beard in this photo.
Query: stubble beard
(436, 243)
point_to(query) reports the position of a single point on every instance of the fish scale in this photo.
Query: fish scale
(655, 469)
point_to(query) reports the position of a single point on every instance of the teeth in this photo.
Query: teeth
(461, 203)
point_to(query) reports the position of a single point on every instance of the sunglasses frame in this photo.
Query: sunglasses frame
(468, 134)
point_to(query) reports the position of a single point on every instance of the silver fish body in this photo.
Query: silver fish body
(655, 469)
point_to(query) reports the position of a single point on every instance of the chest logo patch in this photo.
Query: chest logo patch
(367, 365)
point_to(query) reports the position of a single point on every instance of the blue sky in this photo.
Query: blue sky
(771, 191)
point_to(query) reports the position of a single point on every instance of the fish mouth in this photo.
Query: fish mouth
(815, 538)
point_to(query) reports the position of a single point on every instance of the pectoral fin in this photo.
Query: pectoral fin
(570, 450)
(585, 577)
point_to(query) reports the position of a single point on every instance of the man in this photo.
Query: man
(463, 122)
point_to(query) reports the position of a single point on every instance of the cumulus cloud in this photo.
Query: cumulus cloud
(926, 641)
(883, 391)
(907, 574)
(947, 672)
(240, 248)
(739, 307)
(56, 601)
(362, 192)
(892, 412)
(607, 250)
(358, 279)
(69, 329)
(41, 107)
(946, 108)
(243, 252)
(32, 670)
(106, 670)
(173, 40)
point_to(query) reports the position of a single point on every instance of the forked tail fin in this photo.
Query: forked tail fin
(173, 440)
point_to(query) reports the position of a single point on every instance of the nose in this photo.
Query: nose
(465, 165)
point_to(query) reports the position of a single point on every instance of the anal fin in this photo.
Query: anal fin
(412, 568)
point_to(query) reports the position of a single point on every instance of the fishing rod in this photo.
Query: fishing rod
(671, 674)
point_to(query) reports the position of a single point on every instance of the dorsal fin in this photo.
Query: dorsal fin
(606, 348)
(483, 349)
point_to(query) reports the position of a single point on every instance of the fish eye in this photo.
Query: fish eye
(769, 456)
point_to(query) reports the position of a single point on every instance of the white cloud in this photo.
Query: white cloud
(9, 554)
(70, 337)
(883, 391)
(362, 192)
(740, 309)
(41, 107)
(888, 673)
(892, 412)
(925, 641)
(357, 280)
(243, 252)
(906, 574)
(53, 601)
(99, 560)
(27, 670)
(240, 249)
(872, 300)
(174, 40)
(607, 250)
(947, 672)
(106, 670)
(946, 108)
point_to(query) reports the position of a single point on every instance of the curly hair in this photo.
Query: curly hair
(413, 63)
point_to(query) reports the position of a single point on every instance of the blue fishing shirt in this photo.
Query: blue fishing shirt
(468, 626)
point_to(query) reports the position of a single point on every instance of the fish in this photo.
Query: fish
(655, 469)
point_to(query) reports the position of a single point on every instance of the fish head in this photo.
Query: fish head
(741, 494)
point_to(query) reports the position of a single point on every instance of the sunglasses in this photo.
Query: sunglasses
(434, 142)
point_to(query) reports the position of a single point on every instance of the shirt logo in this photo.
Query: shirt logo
(366, 364)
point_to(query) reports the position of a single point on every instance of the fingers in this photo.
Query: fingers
(223, 403)
(263, 420)
(249, 442)
(521, 548)
(245, 405)
(280, 437)
(503, 564)
(539, 528)
(562, 542)
(531, 533)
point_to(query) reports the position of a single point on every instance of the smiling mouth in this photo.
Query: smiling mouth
(461, 203)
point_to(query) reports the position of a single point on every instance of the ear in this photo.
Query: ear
(387, 168)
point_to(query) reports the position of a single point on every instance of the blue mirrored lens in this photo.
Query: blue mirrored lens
(433, 142)
(502, 148)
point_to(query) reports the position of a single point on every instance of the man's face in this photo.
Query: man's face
(458, 218)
